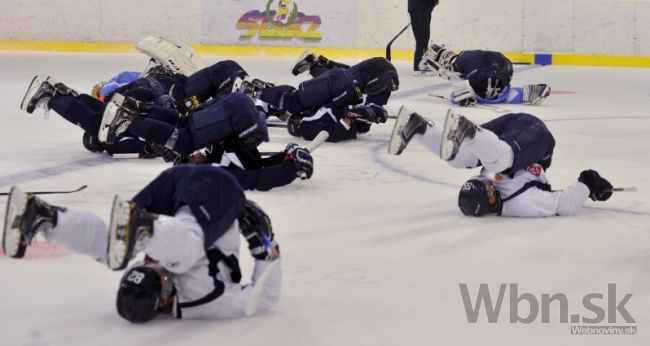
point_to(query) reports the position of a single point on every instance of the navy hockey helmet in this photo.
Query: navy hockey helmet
(376, 76)
(478, 197)
(143, 291)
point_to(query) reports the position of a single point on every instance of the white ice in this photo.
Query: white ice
(374, 246)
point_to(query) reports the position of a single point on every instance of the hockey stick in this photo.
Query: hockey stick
(276, 125)
(50, 192)
(478, 105)
(390, 43)
(315, 143)
(318, 140)
(624, 189)
(258, 288)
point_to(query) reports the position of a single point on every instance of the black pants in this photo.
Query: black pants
(421, 25)
(530, 139)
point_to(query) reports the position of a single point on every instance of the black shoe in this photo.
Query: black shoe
(457, 129)
(129, 226)
(26, 216)
(407, 125)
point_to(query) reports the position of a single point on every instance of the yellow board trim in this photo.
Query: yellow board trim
(593, 60)
(334, 53)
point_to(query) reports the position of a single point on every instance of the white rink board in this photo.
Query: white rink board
(374, 246)
(587, 27)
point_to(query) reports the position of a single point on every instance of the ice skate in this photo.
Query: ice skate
(253, 87)
(41, 91)
(457, 129)
(26, 216)
(439, 59)
(536, 94)
(38, 94)
(128, 228)
(118, 115)
(304, 62)
(407, 125)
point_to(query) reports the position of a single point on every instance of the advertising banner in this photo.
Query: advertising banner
(330, 23)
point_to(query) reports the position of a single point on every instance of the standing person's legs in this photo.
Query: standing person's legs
(421, 25)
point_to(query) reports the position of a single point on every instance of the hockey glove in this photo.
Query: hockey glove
(293, 125)
(463, 94)
(599, 188)
(302, 160)
(167, 154)
(256, 227)
(370, 113)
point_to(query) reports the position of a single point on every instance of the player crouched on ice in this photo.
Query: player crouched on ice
(515, 150)
(82, 110)
(188, 222)
(228, 129)
(341, 100)
(485, 75)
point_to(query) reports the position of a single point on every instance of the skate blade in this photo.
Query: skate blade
(448, 146)
(118, 235)
(396, 140)
(13, 239)
(112, 106)
(294, 68)
(31, 90)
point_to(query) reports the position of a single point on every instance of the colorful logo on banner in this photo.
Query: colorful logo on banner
(281, 20)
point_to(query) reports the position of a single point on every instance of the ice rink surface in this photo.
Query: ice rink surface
(374, 247)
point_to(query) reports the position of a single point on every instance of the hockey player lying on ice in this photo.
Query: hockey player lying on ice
(157, 85)
(514, 150)
(145, 114)
(486, 77)
(188, 222)
(333, 100)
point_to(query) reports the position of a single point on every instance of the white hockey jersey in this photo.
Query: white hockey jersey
(207, 283)
(520, 201)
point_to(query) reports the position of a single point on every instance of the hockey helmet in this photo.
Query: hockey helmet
(91, 143)
(144, 290)
(479, 197)
(376, 75)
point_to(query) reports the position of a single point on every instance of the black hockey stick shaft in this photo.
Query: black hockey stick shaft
(390, 43)
(50, 192)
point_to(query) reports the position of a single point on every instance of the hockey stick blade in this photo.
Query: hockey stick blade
(624, 189)
(50, 192)
(390, 43)
(258, 288)
(479, 105)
